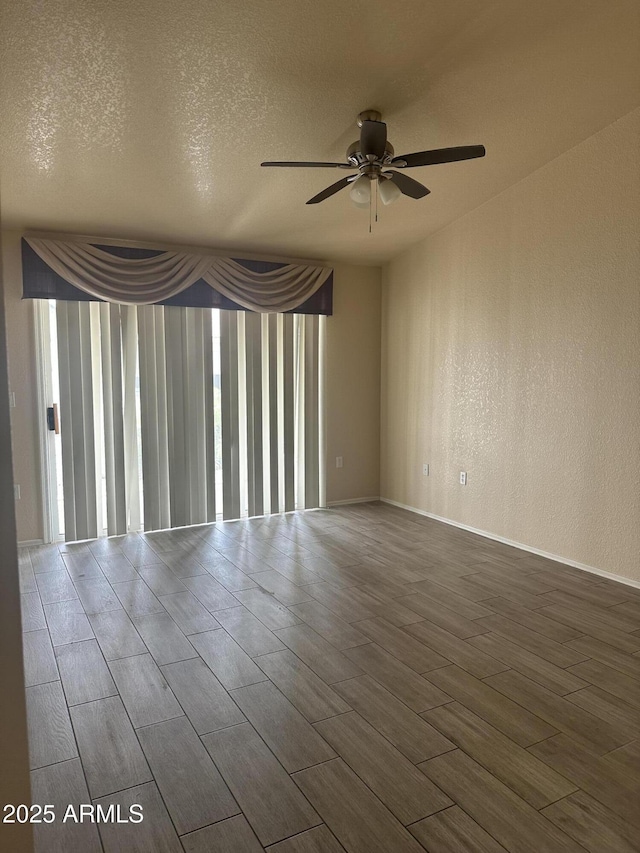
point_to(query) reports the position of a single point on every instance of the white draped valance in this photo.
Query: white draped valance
(145, 281)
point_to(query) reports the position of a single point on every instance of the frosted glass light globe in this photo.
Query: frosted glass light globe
(361, 190)
(389, 192)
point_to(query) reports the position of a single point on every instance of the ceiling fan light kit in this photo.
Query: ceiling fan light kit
(374, 159)
(388, 191)
(361, 190)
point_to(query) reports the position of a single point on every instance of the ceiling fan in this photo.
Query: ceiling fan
(374, 158)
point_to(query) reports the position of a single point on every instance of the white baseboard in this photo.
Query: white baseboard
(30, 542)
(353, 501)
(564, 560)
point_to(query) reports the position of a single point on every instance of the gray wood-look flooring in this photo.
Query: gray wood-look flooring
(359, 679)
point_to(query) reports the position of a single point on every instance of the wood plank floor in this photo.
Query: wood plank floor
(356, 679)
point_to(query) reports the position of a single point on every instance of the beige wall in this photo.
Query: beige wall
(511, 350)
(14, 758)
(352, 387)
(22, 381)
(353, 384)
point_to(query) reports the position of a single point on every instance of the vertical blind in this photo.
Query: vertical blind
(172, 416)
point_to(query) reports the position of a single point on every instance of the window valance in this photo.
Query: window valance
(74, 269)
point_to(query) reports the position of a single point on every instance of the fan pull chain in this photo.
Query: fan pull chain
(370, 209)
(377, 201)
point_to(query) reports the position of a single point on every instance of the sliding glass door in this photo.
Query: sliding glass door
(174, 416)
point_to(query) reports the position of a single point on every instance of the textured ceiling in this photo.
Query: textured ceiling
(149, 120)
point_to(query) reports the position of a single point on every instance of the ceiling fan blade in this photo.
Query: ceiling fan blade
(310, 165)
(373, 139)
(408, 186)
(439, 155)
(329, 191)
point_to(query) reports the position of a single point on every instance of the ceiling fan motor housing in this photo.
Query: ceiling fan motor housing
(355, 156)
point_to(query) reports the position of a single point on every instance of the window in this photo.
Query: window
(172, 416)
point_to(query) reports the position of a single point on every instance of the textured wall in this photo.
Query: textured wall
(511, 350)
(14, 771)
(352, 387)
(22, 381)
(353, 384)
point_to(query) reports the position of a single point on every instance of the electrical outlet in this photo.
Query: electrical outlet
(16, 491)
(463, 478)
(338, 461)
(425, 469)
(12, 399)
